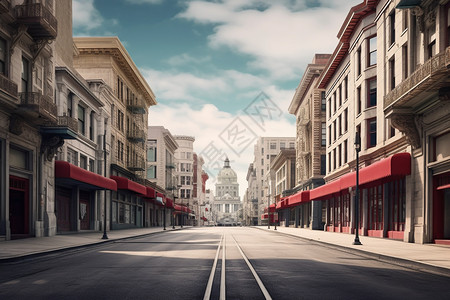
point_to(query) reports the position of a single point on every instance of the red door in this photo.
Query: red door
(85, 221)
(19, 205)
(63, 215)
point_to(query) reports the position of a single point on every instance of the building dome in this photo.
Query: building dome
(227, 174)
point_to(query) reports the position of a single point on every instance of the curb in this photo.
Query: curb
(72, 248)
(406, 263)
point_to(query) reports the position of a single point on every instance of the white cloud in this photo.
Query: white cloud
(85, 16)
(185, 58)
(282, 36)
(145, 1)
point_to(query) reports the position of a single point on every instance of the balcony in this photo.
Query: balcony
(66, 128)
(170, 166)
(38, 109)
(136, 106)
(40, 21)
(8, 91)
(430, 76)
(137, 164)
(136, 135)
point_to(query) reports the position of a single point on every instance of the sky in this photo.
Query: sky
(223, 71)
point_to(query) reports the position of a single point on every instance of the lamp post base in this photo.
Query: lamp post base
(105, 236)
(356, 242)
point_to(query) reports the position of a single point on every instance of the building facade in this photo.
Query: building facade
(106, 60)
(227, 202)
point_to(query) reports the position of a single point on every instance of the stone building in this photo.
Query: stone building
(105, 61)
(227, 202)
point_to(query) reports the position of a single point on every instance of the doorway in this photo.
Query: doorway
(19, 206)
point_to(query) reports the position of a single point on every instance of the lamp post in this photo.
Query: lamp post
(105, 236)
(357, 149)
(164, 217)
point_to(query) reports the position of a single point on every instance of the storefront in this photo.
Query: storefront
(76, 197)
(127, 204)
(382, 199)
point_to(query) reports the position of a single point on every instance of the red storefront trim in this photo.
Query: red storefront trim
(443, 187)
(169, 203)
(66, 170)
(126, 184)
(151, 193)
(395, 166)
(299, 198)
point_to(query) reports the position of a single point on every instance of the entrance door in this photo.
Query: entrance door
(19, 205)
(85, 220)
(441, 208)
(63, 215)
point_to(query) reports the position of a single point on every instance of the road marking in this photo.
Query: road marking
(258, 280)
(222, 277)
(213, 271)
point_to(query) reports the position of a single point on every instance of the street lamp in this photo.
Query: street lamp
(164, 217)
(357, 149)
(105, 236)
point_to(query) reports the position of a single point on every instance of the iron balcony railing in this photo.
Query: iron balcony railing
(8, 86)
(136, 106)
(433, 70)
(42, 107)
(5, 6)
(69, 122)
(136, 135)
(40, 20)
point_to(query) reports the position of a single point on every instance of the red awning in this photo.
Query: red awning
(169, 203)
(298, 198)
(206, 209)
(395, 166)
(126, 184)
(151, 193)
(264, 216)
(178, 207)
(67, 172)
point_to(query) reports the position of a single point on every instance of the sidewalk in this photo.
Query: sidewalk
(21, 248)
(426, 257)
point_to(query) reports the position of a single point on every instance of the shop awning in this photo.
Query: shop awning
(169, 203)
(151, 193)
(67, 173)
(126, 184)
(395, 166)
(178, 207)
(264, 216)
(298, 198)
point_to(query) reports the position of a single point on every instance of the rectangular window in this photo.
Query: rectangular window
(25, 75)
(431, 41)
(372, 51)
(358, 62)
(405, 61)
(70, 105)
(81, 118)
(323, 164)
(83, 162)
(392, 28)
(334, 131)
(91, 126)
(334, 159)
(3, 56)
(92, 165)
(371, 92)
(151, 172)
(329, 161)
(291, 145)
(329, 108)
(151, 150)
(273, 146)
(358, 100)
(345, 152)
(324, 134)
(375, 202)
(334, 102)
(346, 120)
(392, 73)
(339, 155)
(340, 95)
(329, 135)
(371, 132)
(323, 101)
(405, 15)
(340, 125)
(282, 145)
(72, 157)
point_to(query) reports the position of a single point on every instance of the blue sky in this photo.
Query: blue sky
(215, 65)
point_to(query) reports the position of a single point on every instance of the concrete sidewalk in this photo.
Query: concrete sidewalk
(425, 257)
(29, 247)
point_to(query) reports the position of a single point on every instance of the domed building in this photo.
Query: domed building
(227, 202)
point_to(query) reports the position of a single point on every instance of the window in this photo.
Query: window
(392, 73)
(346, 120)
(262, 171)
(329, 135)
(324, 101)
(151, 151)
(19, 158)
(329, 108)
(334, 131)
(405, 15)
(120, 151)
(392, 28)
(375, 203)
(72, 157)
(334, 102)
(431, 41)
(91, 126)
(291, 145)
(371, 92)
(83, 162)
(371, 132)
(151, 172)
(334, 158)
(345, 152)
(324, 134)
(323, 163)
(282, 145)
(273, 146)
(3, 57)
(92, 165)
(405, 61)
(70, 105)
(358, 62)
(81, 120)
(329, 161)
(358, 100)
(372, 51)
(340, 125)
(25, 75)
(340, 95)
(185, 180)
(339, 155)
(345, 88)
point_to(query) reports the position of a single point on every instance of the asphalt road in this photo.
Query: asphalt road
(179, 265)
